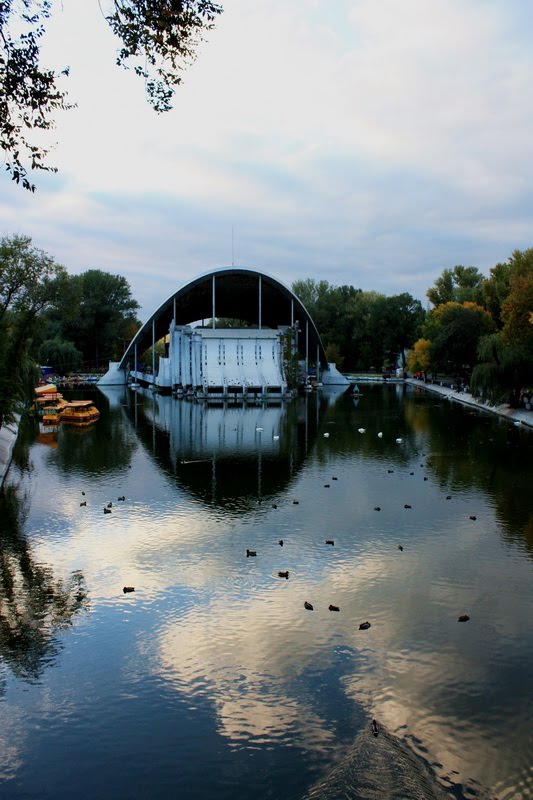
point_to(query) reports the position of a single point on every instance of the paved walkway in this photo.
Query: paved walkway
(520, 415)
(8, 437)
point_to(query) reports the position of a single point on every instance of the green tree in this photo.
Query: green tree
(397, 323)
(506, 358)
(105, 316)
(60, 355)
(158, 39)
(502, 371)
(458, 327)
(29, 280)
(495, 290)
(460, 285)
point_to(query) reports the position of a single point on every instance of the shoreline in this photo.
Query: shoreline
(515, 415)
(8, 438)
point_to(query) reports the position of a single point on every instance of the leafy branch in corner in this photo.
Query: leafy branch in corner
(159, 38)
(29, 94)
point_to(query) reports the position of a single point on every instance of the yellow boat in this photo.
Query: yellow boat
(48, 401)
(51, 418)
(79, 412)
(48, 388)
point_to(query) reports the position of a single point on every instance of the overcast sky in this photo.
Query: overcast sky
(367, 142)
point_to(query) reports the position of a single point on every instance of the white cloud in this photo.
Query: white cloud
(372, 142)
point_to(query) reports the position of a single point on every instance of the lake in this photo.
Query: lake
(211, 679)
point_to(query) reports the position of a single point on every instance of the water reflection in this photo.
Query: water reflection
(100, 449)
(34, 604)
(215, 654)
(229, 456)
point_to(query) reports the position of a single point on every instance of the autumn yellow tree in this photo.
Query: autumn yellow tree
(419, 358)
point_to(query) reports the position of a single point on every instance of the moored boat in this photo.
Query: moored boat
(48, 401)
(79, 412)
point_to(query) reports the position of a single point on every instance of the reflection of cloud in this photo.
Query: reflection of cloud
(12, 743)
(245, 656)
(241, 639)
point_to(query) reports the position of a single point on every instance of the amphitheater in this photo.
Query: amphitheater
(271, 348)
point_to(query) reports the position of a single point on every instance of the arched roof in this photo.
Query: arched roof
(237, 297)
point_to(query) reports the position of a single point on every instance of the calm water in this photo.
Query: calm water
(211, 680)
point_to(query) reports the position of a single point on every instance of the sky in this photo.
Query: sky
(364, 142)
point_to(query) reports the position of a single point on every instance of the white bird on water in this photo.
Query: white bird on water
(361, 430)
(399, 441)
(380, 435)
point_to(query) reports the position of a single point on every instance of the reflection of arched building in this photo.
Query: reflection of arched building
(260, 358)
(227, 456)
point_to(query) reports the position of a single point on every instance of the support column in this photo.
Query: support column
(135, 362)
(174, 311)
(260, 301)
(306, 349)
(317, 363)
(214, 303)
(153, 352)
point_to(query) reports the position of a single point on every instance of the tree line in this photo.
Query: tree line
(479, 330)
(47, 316)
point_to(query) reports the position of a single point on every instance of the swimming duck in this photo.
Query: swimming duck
(473, 517)
(380, 435)
(400, 547)
(326, 435)
(406, 505)
(107, 511)
(448, 497)
(308, 606)
(121, 499)
(280, 542)
(251, 553)
(364, 626)
(326, 486)
(334, 478)
(377, 508)
(127, 589)
(333, 608)
(284, 574)
(295, 502)
(374, 727)
(361, 430)
(399, 441)
(463, 618)
(330, 541)
(84, 503)
(110, 504)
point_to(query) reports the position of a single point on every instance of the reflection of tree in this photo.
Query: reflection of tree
(33, 605)
(469, 450)
(105, 447)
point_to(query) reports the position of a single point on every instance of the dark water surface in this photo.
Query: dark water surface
(211, 680)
